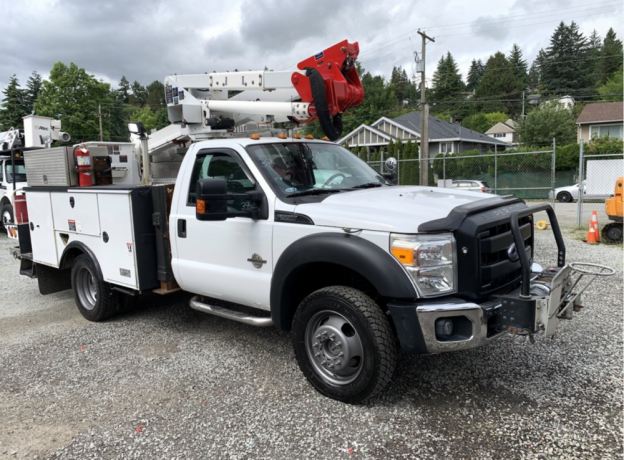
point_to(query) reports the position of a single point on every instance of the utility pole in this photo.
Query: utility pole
(100, 117)
(424, 118)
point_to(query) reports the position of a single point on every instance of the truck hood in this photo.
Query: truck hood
(387, 209)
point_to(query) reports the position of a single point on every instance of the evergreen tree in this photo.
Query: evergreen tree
(13, 107)
(474, 74)
(565, 68)
(118, 117)
(74, 95)
(139, 94)
(518, 66)
(33, 89)
(535, 74)
(124, 87)
(402, 86)
(363, 153)
(498, 85)
(610, 57)
(612, 89)
(447, 81)
(155, 95)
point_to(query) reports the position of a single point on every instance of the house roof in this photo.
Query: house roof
(440, 130)
(601, 112)
(508, 127)
(366, 128)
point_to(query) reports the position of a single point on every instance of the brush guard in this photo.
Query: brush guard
(548, 296)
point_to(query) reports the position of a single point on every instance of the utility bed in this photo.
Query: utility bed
(125, 225)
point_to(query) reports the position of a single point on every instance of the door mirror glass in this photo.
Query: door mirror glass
(214, 202)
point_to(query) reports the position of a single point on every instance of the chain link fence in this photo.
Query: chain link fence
(531, 175)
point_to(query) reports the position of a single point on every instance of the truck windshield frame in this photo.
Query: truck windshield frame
(20, 171)
(297, 168)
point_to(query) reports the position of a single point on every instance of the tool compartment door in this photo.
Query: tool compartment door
(76, 212)
(41, 228)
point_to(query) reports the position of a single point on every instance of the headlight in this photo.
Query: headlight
(429, 259)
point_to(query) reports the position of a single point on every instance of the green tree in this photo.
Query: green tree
(477, 122)
(74, 95)
(118, 116)
(139, 94)
(155, 95)
(535, 73)
(565, 68)
(13, 107)
(162, 118)
(363, 153)
(610, 57)
(498, 88)
(474, 74)
(545, 122)
(612, 89)
(33, 89)
(124, 88)
(145, 116)
(447, 86)
(403, 88)
(518, 66)
(496, 117)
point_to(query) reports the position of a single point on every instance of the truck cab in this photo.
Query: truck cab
(12, 177)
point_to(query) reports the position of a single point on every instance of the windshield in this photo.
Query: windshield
(313, 168)
(20, 172)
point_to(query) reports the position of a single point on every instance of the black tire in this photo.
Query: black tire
(565, 197)
(6, 216)
(95, 299)
(612, 233)
(357, 369)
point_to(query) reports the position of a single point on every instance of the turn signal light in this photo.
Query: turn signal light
(255, 137)
(405, 255)
(325, 138)
(309, 136)
(200, 206)
(281, 136)
(296, 136)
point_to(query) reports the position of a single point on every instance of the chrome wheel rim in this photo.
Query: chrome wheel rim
(6, 217)
(334, 348)
(87, 292)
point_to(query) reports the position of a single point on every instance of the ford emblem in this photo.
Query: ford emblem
(512, 253)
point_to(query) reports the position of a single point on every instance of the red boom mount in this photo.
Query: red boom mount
(331, 84)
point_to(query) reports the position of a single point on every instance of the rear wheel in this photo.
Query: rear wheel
(6, 217)
(344, 344)
(565, 197)
(95, 299)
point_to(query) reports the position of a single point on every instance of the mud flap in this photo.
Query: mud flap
(53, 280)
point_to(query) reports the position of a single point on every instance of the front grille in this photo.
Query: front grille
(484, 241)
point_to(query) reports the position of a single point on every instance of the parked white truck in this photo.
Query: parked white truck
(302, 235)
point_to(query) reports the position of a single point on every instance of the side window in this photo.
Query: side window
(218, 166)
(1, 171)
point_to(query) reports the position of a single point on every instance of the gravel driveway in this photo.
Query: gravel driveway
(168, 382)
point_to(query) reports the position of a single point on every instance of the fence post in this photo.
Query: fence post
(579, 208)
(495, 171)
(552, 174)
(382, 168)
(398, 171)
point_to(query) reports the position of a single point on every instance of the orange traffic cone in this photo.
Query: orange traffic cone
(594, 222)
(591, 234)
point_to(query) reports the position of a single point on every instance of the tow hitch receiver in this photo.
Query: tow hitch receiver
(548, 296)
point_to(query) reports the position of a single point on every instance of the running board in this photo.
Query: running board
(230, 314)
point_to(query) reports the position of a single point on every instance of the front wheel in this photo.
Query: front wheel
(344, 344)
(94, 297)
(565, 197)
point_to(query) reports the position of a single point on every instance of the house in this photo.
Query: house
(505, 132)
(444, 137)
(600, 119)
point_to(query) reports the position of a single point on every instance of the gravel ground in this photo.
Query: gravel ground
(167, 382)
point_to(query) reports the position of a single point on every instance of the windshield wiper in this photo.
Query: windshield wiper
(313, 191)
(367, 185)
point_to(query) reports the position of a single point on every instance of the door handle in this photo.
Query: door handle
(182, 228)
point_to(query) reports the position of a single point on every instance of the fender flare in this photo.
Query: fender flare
(376, 265)
(85, 250)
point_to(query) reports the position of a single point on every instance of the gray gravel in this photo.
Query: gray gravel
(167, 382)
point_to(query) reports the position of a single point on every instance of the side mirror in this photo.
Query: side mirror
(391, 166)
(212, 198)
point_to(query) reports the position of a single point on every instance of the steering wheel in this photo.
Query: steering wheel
(334, 176)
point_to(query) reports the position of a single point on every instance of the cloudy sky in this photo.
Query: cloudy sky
(148, 39)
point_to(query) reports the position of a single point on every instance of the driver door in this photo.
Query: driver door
(230, 259)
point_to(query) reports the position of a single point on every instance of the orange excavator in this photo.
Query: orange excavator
(614, 208)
